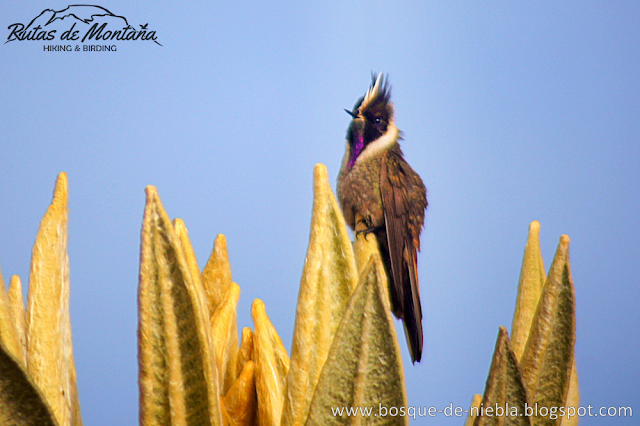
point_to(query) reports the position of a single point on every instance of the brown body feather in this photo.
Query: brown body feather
(377, 187)
(391, 198)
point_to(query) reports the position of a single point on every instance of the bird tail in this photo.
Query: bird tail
(405, 294)
(412, 317)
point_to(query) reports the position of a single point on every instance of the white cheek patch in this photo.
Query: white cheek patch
(381, 144)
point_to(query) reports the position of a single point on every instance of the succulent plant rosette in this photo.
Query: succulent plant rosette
(197, 368)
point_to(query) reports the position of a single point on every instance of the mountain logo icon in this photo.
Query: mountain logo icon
(82, 22)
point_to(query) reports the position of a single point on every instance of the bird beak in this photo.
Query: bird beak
(352, 114)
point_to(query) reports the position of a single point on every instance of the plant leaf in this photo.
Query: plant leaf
(216, 274)
(8, 328)
(21, 403)
(504, 389)
(216, 278)
(224, 325)
(183, 237)
(573, 398)
(223, 321)
(271, 366)
(328, 279)
(532, 277)
(49, 348)
(473, 409)
(177, 375)
(548, 356)
(245, 353)
(16, 303)
(364, 366)
(241, 403)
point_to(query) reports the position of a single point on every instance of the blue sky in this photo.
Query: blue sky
(511, 112)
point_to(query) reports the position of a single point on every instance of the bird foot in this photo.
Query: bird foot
(367, 231)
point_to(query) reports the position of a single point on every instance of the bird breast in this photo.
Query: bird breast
(359, 192)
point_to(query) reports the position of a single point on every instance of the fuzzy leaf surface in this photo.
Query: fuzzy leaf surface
(328, 279)
(241, 402)
(49, 348)
(475, 404)
(547, 360)
(364, 366)
(573, 397)
(21, 403)
(177, 375)
(532, 278)
(224, 325)
(271, 366)
(16, 303)
(216, 274)
(504, 388)
(8, 328)
(245, 353)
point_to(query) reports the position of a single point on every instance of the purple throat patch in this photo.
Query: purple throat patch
(357, 150)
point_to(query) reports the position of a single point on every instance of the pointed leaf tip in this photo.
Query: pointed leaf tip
(224, 327)
(241, 402)
(547, 360)
(8, 328)
(48, 328)
(61, 187)
(271, 366)
(320, 184)
(245, 353)
(16, 303)
(320, 172)
(364, 365)
(532, 278)
(328, 279)
(151, 192)
(177, 376)
(216, 274)
(474, 409)
(504, 389)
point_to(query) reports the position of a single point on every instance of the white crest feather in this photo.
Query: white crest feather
(372, 92)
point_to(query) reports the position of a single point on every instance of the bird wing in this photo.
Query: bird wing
(404, 202)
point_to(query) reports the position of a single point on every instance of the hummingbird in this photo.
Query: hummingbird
(380, 194)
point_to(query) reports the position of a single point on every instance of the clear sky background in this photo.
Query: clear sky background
(511, 111)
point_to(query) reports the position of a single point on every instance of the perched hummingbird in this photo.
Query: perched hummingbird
(376, 186)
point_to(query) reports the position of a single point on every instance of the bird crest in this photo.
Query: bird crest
(378, 92)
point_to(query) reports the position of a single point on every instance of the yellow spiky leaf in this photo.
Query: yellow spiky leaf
(547, 360)
(271, 366)
(49, 348)
(328, 279)
(532, 277)
(177, 374)
(183, 237)
(16, 303)
(474, 409)
(241, 402)
(505, 389)
(364, 366)
(8, 329)
(21, 402)
(216, 274)
(224, 324)
(245, 353)
(573, 399)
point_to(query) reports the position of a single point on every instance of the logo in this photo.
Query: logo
(80, 23)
